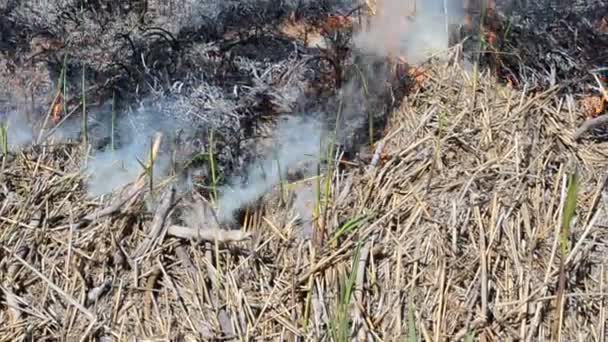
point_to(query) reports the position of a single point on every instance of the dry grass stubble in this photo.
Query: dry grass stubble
(458, 228)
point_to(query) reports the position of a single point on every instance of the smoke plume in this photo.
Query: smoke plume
(297, 140)
(19, 132)
(390, 33)
(410, 29)
(115, 166)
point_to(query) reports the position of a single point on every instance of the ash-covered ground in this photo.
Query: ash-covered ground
(540, 43)
(213, 76)
(244, 81)
(483, 202)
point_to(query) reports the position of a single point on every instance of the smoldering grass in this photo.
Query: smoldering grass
(416, 242)
(295, 143)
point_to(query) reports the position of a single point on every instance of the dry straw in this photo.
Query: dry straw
(454, 234)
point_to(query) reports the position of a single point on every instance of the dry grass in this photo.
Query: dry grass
(454, 234)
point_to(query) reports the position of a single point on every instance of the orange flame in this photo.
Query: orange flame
(57, 110)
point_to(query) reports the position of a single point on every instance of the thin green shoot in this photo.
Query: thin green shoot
(568, 214)
(281, 185)
(507, 30)
(370, 120)
(317, 207)
(113, 122)
(443, 122)
(151, 165)
(349, 226)
(341, 331)
(330, 154)
(411, 324)
(213, 167)
(148, 168)
(64, 73)
(306, 317)
(85, 128)
(370, 117)
(174, 156)
(564, 241)
(4, 138)
(328, 177)
(307, 305)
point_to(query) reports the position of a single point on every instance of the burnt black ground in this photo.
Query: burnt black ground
(223, 67)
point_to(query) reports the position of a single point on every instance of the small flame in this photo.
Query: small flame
(57, 110)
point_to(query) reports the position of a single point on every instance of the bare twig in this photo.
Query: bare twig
(155, 233)
(209, 235)
(589, 125)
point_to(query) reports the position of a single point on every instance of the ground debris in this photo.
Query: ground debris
(447, 227)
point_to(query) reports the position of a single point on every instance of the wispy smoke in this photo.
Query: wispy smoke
(113, 168)
(390, 33)
(411, 29)
(19, 131)
(296, 140)
(108, 169)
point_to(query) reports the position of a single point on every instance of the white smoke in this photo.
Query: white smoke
(113, 168)
(296, 141)
(390, 32)
(408, 28)
(19, 132)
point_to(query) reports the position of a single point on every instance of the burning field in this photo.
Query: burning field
(303, 170)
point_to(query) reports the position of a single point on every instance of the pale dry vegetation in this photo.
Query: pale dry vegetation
(477, 212)
(454, 233)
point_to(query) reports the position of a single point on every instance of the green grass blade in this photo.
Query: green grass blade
(64, 73)
(349, 226)
(113, 123)
(411, 325)
(569, 211)
(85, 128)
(4, 138)
(347, 293)
(213, 168)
